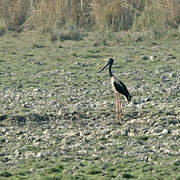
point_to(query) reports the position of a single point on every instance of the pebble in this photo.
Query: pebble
(176, 162)
(17, 153)
(176, 132)
(152, 57)
(165, 131)
(39, 155)
(145, 57)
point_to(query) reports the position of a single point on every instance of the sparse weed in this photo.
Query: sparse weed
(2, 27)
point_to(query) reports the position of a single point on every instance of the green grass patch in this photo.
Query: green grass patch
(142, 138)
(5, 174)
(49, 79)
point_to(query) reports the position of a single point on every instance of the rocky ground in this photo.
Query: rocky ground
(57, 114)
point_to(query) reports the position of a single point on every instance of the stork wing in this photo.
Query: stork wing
(121, 88)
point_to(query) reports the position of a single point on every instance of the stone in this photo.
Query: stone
(165, 131)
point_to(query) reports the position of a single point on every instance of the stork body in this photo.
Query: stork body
(119, 88)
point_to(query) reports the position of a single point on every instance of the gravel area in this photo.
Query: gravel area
(57, 111)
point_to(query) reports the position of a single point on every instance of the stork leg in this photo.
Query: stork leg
(119, 105)
(117, 108)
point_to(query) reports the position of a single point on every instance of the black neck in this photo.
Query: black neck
(110, 72)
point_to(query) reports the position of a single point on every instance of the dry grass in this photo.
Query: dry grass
(15, 12)
(116, 15)
(95, 14)
(156, 15)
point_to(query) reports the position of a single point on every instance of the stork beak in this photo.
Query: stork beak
(103, 67)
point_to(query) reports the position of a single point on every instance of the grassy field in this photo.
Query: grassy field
(57, 114)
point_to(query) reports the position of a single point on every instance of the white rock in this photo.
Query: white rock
(39, 155)
(165, 131)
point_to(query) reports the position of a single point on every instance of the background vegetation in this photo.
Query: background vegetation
(116, 15)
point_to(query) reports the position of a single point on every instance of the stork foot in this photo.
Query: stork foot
(118, 122)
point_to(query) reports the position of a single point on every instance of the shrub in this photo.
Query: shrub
(68, 33)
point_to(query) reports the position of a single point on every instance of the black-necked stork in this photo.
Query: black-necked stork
(118, 87)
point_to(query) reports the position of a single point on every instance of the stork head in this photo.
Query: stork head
(110, 62)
